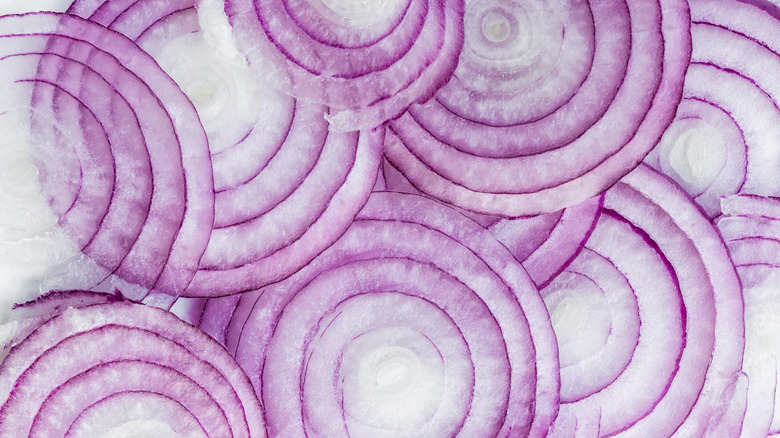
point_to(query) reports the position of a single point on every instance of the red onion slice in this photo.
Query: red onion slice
(723, 141)
(449, 296)
(751, 227)
(518, 169)
(369, 61)
(162, 361)
(546, 244)
(165, 233)
(654, 243)
(276, 165)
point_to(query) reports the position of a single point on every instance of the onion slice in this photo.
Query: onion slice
(417, 322)
(367, 60)
(286, 187)
(663, 306)
(471, 147)
(751, 227)
(723, 140)
(121, 368)
(127, 191)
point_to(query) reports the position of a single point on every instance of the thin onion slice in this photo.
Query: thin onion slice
(145, 210)
(723, 140)
(654, 261)
(611, 110)
(751, 227)
(367, 60)
(286, 188)
(121, 367)
(411, 304)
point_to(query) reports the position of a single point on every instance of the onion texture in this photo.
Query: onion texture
(115, 145)
(122, 369)
(367, 60)
(551, 103)
(417, 322)
(286, 188)
(751, 227)
(724, 138)
(649, 318)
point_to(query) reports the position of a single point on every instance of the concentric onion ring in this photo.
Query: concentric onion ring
(723, 140)
(286, 188)
(124, 368)
(133, 186)
(367, 60)
(649, 318)
(751, 227)
(417, 322)
(523, 128)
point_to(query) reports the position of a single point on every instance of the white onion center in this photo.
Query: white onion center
(695, 151)
(581, 321)
(496, 27)
(227, 96)
(393, 378)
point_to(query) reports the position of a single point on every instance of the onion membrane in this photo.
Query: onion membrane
(123, 369)
(367, 60)
(115, 147)
(551, 103)
(649, 319)
(417, 322)
(724, 138)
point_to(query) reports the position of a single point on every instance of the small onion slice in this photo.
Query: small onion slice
(613, 82)
(417, 322)
(649, 318)
(120, 368)
(367, 60)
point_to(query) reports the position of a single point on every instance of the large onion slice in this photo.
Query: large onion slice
(724, 138)
(649, 319)
(417, 322)
(122, 369)
(551, 103)
(131, 183)
(286, 188)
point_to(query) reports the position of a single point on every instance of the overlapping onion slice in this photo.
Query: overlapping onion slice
(551, 103)
(417, 322)
(649, 319)
(367, 60)
(724, 138)
(116, 148)
(123, 369)
(544, 244)
(286, 187)
(751, 227)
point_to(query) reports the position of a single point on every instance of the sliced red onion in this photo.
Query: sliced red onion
(142, 202)
(751, 226)
(276, 166)
(367, 60)
(649, 318)
(417, 322)
(546, 244)
(610, 86)
(724, 138)
(122, 368)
